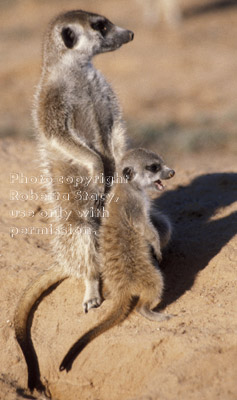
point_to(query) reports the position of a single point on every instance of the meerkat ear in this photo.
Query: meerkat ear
(128, 173)
(69, 37)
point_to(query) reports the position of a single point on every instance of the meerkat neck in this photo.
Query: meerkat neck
(82, 63)
(141, 195)
(138, 188)
(81, 60)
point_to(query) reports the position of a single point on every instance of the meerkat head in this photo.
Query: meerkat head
(84, 34)
(145, 168)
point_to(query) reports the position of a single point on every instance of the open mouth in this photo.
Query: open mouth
(159, 185)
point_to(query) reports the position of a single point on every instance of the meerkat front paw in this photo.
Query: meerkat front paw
(157, 253)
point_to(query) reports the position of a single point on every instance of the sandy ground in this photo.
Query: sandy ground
(184, 102)
(192, 356)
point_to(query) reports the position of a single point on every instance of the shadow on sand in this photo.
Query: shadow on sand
(197, 236)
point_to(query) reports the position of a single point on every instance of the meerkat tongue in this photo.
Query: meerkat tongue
(159, 185)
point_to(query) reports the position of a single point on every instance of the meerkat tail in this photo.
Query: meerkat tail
(153, 315)
(117, 315)
(22, 319)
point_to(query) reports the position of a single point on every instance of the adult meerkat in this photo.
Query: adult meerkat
(128, 245)
(80, 134)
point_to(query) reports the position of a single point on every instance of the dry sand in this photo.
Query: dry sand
(189, 83)
(192, 356)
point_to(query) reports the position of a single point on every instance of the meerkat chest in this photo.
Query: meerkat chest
(104, 102)
(96, 111)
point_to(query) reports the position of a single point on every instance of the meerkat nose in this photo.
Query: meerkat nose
(131, 35)
(171, 173)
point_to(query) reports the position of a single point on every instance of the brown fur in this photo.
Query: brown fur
(130, 275)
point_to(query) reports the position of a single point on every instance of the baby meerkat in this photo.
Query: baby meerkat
(129, 247)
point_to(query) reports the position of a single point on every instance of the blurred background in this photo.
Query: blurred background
(176, 82)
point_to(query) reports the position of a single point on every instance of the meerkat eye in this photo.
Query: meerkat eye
(69, 37)
(153, 167)
(100, 26)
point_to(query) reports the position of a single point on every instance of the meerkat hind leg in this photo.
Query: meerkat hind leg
(92, 297)
(85, 249)
(153, 315)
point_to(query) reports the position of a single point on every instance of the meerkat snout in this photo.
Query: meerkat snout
(131, 35)
(167, 173)
(171, 173)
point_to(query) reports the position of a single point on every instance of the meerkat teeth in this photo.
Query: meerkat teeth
(159, 185)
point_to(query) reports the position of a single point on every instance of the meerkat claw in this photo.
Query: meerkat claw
(92, 303)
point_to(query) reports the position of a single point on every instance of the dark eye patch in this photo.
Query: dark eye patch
(69, 37)
(100, 26)
(128, 173)
(153, 167)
